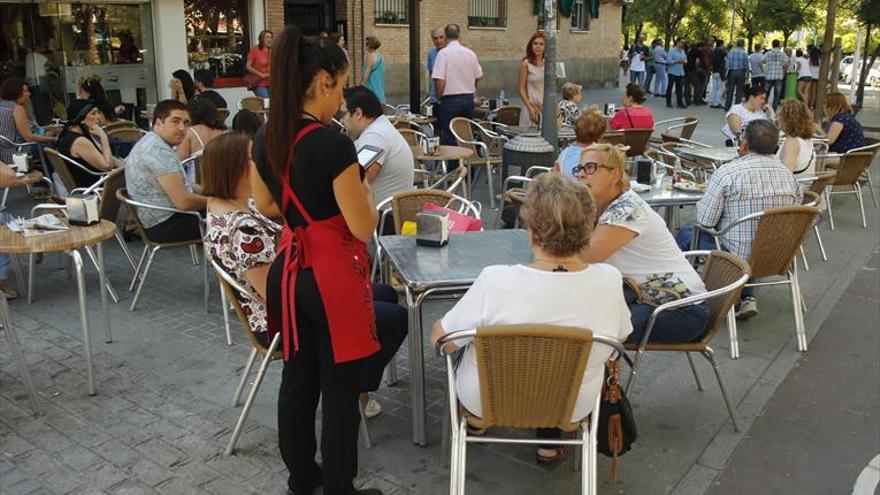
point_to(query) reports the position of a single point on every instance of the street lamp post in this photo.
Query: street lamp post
(415, 68)
(548, 111)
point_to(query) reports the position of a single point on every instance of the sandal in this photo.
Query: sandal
(547, 460)
(476, 432)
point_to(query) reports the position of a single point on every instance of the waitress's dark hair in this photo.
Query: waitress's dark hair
(189, 87)
(295, 63)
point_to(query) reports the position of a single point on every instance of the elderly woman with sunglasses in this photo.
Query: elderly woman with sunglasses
(632, 237)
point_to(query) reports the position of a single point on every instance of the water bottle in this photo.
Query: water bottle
(676, 171)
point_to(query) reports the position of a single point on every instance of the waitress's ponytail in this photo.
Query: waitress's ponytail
(295, 62)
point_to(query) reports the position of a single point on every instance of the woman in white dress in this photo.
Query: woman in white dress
(531, 80)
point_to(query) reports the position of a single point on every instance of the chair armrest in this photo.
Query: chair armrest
(668, 121)
(138, 204)
(49, 207)
(531, 172)
(814, 199)
(709, 230)
(695, 143)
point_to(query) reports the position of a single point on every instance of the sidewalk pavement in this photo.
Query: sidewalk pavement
(163, 411)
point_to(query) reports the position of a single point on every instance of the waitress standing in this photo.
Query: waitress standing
(319, 293)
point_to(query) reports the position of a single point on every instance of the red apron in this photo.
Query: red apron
(339, 263)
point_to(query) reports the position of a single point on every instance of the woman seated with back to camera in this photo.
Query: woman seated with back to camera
(633, 115)
(247, 252)
(206, 125)
(83, 140)
(633, 238)
(796, 152)
(556, 288)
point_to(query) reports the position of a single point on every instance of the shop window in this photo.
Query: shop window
(218, 38)
(98, 34)
(487, 13)
(580, 16)
(392, 12)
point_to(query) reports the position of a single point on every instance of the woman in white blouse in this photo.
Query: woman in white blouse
(633, 238)
(796, 152)
(556, 288)
(755, 107)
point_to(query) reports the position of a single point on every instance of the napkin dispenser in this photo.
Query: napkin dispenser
(432, 228)
(82, 210)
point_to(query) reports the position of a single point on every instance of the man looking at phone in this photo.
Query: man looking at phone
(362, 116)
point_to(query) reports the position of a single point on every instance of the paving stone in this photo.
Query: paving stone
(161, 452)
(149, 473)
(117, 453)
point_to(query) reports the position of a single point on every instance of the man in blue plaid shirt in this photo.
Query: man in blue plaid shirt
(737, 67)
(754, 182)
(775, 61)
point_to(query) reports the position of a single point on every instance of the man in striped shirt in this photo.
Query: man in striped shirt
(774, 70)
(737, 67)
(750, 184)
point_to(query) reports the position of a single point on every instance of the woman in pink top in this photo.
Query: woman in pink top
(258, 64)
(633, 115)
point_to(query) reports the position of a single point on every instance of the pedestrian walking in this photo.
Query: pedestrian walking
(774, 71)
(531, 80)
(737, 70)
(456, 72)
(659, 69)
(675, 72)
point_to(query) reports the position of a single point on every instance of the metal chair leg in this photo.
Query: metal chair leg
(253, 393)
(861, 205)
(137, 269)
(140, 286)
(461, 456)
(694, 371)
(819, 240)
(224, 305)
(364, 431)
(634, 371)
(800, 331)
(245, 373)
(804, 258)
(194, 254)
(731, 329)
(391, 372)
(871, 187)
(110, 288)
(19, 276)
(125, 249)
(207, 285)
(711, 357)
(30, 278)
(830, 211)
(15, 347)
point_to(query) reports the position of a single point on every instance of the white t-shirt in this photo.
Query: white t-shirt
(804, 67)
(637, 64)
(35, 67)
(653, 251)
(516, 294)
(745, 116)
(396, 174)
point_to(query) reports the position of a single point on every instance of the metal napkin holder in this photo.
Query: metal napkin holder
(432, 228)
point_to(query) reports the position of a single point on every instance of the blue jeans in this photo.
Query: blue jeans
(776, 86)
(660, 81)
(650, 70)
(261, 91)
(676, 326)
(5, 259)
(637, 77)
(705, 242)
(717, 86)
(450, 107)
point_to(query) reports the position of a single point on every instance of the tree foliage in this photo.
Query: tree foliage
(787, 16)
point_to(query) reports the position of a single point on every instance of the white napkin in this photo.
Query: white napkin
(639, 187)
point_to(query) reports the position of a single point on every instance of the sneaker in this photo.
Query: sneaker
(372, 409)
(8, 291)
(746, 308)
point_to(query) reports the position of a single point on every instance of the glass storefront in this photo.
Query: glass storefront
(217, 38)
(53, 45)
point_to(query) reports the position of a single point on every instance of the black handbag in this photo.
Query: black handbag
(616, 431)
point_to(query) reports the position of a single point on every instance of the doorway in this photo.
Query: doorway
(311, 16)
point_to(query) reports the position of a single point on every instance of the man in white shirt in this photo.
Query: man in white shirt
(35, 69)
(362, 116)
(456, 74)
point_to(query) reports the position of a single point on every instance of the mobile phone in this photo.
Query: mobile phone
(368, 155)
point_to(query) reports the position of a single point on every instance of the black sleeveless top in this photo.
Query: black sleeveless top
(80, 177)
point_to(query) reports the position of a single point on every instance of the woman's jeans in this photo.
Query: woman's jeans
(676, 326)
(707, 243)
(660, 79)
(717, 88)
(261, 91)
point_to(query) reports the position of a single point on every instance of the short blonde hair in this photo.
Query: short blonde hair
(570, 90)
(796, 119)
(560, 213)
(616, 160)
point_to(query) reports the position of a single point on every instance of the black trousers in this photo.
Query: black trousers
(179, 227)
(310, 374)
(676, 82)
(736, 81)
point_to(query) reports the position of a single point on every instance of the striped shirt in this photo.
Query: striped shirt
(747, 185)
(774, 64)
(737, 59)
(8, 130)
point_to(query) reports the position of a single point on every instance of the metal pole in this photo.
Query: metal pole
(548, 111)
(854, 70)
(415, 65)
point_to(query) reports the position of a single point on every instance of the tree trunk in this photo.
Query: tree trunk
(863, 74)
(785, 36)
(835, 65)
(827, 44)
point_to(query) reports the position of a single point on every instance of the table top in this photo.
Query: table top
(459, 262)
(414, 119)
(444, 152)
(664, 196)
(719, 154)
(562, 132)
(27, 179)
(76, 237)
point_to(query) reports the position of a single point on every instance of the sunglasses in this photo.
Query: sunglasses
(588, 168)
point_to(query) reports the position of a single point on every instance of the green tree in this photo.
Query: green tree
(754, 20)
(868, 14)
(787, 16)
(706, 17)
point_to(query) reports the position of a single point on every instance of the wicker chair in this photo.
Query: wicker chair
(412, 136)
(847, 181)
(469, 134)
(151, 247)
(406, 205)
(677, 128)
(866, 175)
(127, 134)
(508, 115)
(817, 192)
(778, 238)
(724, 276)
(613, 137)
(530, 377)
(637, 140)
(62, 164)
(119, 124)
(252, 103)
(700, 169)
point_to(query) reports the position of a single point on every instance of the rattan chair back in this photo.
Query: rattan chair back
(689, 126)
(851, 167)
(127, 134)
(132, 210)
(721, 270)
(508, 115)
(637, 140)
(406, 205)
(119, 124)
(61, 168)
(613, 137)
(823, 180)
(252, 103)
(778, 238)
(109, 201)
(464, 131)
(411, 136)
(530, 375)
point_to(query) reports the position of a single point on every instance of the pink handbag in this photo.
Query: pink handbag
(458, 222)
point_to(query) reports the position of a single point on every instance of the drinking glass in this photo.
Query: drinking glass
(659, 173)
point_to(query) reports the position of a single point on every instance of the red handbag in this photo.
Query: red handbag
(251, 80)
(458, 222)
